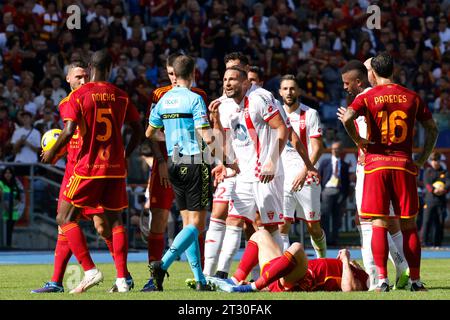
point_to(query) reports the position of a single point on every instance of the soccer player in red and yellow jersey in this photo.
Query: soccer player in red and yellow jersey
(161, 193)
(291, 271)
(76, 77)
(99, 109)
(390, 172)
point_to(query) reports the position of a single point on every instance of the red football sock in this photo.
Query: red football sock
(413, 252)
(380, 250)
(201, 244)
(248, 261)
(276, 270)
(120, 244)
(155, 245)
(78, 245)
(62, 257)
(109, 244)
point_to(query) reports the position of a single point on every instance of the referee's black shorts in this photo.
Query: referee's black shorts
(192, 185)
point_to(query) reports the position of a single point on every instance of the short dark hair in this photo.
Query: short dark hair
(237, 55)
(239, 69)
(289, 77)
(171, 58)
(355, 65)
(76, 64)
(101, 60)
(183, 67)
(383, 65)
(26, 113)
(436, 156)
(258, 71)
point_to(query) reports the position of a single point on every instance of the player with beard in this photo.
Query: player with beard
(306, 201)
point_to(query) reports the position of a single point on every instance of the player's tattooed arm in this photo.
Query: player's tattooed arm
(431, 135)
(348, 119)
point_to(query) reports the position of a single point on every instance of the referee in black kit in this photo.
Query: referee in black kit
(182, 113)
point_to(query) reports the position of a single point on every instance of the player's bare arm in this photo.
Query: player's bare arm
(276, 148)
(309, 169)
(150, 133)
(431, 135)
(340, 113)
(63, 140)
(162, 164)
(213, 139)
(348, 282)
(135, 139)
(349, 117)
(214, 112)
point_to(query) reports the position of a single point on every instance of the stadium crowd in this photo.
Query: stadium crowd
(311, 39)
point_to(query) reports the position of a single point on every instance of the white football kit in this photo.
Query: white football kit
(306, 202)
(224, 189)
(251, 139)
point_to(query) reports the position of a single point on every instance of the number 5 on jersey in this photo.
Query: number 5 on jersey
(101, 117)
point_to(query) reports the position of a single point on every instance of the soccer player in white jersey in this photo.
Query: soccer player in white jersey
(306, 201)
(258, 135)
(217, 229)
(357, 80)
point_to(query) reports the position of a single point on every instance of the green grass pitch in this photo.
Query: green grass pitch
(16, 281)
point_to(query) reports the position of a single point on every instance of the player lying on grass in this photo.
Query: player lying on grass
(291, 270)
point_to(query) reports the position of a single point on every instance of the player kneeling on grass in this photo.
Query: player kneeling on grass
(291, 270)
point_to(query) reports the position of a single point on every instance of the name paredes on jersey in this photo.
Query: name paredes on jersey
(390, 98)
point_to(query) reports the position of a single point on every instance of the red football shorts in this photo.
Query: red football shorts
(86, 211)
(160, 197)
(107, 193)
(384, 186)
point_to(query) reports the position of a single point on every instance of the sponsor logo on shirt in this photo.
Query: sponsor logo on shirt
(171, 103)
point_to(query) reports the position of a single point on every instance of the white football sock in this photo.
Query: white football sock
(231, 245)
(366, 252)
(398, 240)
(90, 273)
(286, 243)
(213, 244)
(276, 235)
(395, 255)
(320, 246)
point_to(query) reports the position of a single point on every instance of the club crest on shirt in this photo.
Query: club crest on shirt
(302, 124)
(312, 214)
(270, 214)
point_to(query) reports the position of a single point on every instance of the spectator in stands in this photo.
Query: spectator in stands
(26, 141)
(48, 120)
(12, 198)
(442, 103)
(335, 188)
(331, 76)
(437, 185)
(6, 131)
(312, 87)
(58, 92)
